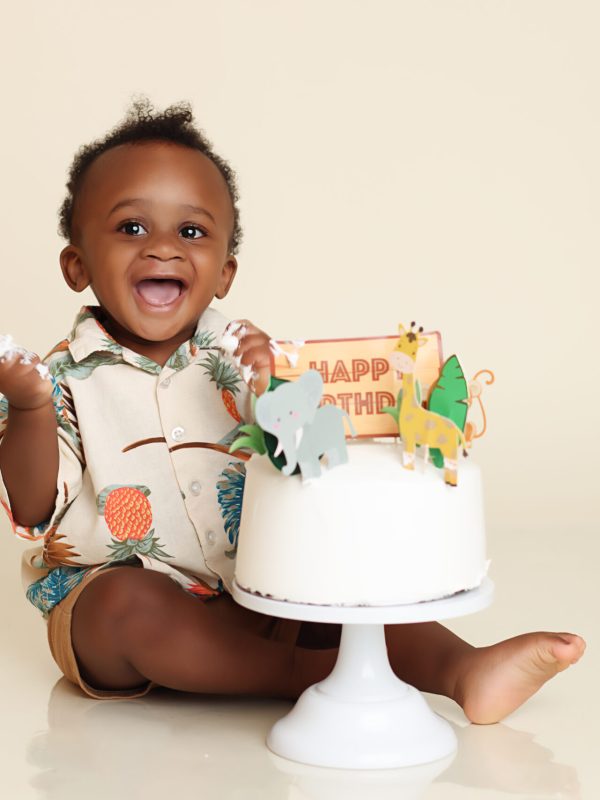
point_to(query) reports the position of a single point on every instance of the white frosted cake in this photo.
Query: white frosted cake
(367, 533)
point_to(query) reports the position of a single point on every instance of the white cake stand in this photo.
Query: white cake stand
(362, 716)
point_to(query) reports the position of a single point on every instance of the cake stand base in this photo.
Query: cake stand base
(362, 716)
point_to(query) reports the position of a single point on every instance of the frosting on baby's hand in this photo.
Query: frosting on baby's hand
(230, 341)
(9, 349)
(7, 346)
(234, 334)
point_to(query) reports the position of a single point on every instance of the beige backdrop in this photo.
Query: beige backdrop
(436, 161)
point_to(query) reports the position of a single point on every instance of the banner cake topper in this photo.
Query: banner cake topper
(357, 375)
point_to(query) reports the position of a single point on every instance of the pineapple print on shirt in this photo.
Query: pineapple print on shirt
(227, 379)
(128, 514)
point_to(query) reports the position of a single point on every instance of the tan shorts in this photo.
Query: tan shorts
(61, 644)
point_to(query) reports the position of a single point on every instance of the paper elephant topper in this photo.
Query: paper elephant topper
(303, 429)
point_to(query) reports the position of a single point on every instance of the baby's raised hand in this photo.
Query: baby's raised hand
(250, 348)
(24, 380)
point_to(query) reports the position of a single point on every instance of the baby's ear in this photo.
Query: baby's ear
(226, 278)
(72, 268)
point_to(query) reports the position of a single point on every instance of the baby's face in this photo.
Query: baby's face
(151, 232)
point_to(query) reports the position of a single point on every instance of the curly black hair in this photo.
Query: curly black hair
(142, 122)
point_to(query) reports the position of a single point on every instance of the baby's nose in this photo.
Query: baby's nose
(163, 247)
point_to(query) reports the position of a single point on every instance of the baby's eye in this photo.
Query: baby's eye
(189, 231)
(132, 228)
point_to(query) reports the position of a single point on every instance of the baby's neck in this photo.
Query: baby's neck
(159, 352)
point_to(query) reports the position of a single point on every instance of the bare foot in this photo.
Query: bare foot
(497, 679)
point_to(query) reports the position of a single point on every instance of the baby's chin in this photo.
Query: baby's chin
(148, 329)
(163, 331)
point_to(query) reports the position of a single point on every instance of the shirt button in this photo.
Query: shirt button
(165, 384)
(177, 434)
(195, 487)
(211, 536)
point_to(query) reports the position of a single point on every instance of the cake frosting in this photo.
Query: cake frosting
(367, 533)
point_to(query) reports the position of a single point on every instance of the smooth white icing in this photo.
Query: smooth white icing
(369, 532)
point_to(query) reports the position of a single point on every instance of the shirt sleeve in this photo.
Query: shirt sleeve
(70, 465)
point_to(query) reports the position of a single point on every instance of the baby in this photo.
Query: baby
(118, 462)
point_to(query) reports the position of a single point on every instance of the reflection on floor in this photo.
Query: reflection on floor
(150, 746)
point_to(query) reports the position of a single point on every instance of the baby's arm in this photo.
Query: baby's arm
(29, 448)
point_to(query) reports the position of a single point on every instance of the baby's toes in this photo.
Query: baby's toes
(554, 652)
(567, 647)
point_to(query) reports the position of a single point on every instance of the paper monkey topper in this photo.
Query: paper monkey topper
(440, 423)
(294, 430)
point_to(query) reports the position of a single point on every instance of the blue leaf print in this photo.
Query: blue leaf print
(54, 587)
(230, 491)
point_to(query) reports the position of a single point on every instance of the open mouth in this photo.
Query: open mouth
(160, 291)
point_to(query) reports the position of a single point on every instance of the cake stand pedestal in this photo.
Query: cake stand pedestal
(362, 716)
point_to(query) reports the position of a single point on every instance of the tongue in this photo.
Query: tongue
(159, 293)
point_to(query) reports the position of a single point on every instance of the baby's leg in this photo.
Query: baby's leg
(487, 682)
(133, 625)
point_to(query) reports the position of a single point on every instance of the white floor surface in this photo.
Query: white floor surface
(58, 744)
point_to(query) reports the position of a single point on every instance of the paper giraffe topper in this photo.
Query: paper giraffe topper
(417, 425)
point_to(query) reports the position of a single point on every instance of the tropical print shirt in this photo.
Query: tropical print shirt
(144, 468)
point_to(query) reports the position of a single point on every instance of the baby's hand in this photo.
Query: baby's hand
(250, 349)
(23, 379)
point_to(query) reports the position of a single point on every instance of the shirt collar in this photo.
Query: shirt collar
(89, 336)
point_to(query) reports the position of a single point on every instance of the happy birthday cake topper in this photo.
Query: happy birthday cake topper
(431, 415)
